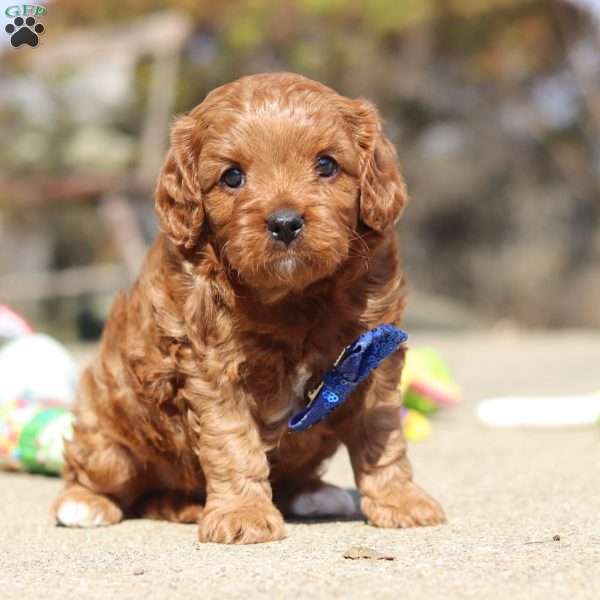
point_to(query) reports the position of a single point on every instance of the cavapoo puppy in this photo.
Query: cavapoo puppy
(277, 202)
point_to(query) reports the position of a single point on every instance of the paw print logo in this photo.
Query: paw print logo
(24, 31)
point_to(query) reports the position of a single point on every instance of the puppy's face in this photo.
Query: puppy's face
(279, 178)
(279, 170)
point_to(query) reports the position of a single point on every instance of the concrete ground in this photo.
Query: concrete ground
(507, 493)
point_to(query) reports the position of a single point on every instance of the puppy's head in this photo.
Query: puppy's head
(279, 170)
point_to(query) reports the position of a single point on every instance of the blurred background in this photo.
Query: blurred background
(494, 106)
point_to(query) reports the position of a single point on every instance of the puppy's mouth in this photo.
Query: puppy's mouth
(268, 264)
(287, 264)
(302, 261)
(292, 268)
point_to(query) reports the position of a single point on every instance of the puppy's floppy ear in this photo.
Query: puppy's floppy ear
(178, 200)
(382, 189)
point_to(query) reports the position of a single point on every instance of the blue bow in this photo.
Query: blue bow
(351, 368)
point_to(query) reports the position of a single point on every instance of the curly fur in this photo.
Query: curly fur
(183, 414)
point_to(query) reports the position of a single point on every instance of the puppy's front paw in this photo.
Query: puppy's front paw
(407, 506)
(248, 524)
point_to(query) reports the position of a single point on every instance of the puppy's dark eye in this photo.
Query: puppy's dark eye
(233, 177)
(326, 166)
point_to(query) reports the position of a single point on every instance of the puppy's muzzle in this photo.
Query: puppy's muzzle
(285, 225)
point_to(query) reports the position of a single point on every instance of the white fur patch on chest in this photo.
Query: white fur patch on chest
(297, 395)
(299, 381)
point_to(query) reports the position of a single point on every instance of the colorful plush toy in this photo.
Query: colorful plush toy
(32, 436)
(426, 382)
(38, 379)
(426, 386)
(417, 427)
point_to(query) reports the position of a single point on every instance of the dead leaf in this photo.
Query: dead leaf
(356, 552)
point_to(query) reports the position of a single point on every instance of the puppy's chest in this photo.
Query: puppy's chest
(280, 379)
(288, 392)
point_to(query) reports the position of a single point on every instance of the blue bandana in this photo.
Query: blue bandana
(352, 367)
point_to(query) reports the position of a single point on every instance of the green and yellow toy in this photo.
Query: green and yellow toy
(426, 387)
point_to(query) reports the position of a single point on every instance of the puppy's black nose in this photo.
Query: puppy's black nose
(285, 225)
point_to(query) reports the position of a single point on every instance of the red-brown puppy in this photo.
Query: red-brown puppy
(277, 203)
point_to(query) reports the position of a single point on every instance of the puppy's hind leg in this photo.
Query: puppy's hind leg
(78, 506)
(169, 506)
(103, 480)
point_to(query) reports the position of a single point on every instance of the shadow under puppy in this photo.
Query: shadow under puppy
(277, 202)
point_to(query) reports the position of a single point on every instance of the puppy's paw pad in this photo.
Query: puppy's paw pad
(410, 506)
(243, 525)
(326, 501)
